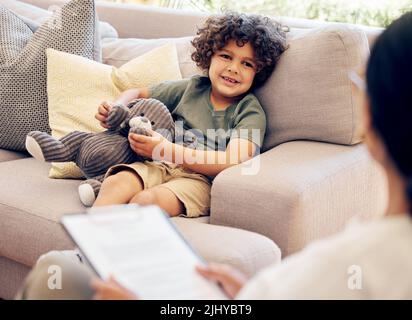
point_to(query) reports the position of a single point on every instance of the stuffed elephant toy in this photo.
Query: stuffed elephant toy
(95, 153)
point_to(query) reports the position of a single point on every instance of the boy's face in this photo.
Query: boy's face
(232, 70)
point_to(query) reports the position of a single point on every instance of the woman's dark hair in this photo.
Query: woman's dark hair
(266, 37)
(389, 85)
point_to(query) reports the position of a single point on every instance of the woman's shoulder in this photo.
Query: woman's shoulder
(374, 251)
(360, 237)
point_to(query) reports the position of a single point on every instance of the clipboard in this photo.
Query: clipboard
(143, 250)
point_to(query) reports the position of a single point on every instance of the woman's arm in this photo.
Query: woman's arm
(231, 279)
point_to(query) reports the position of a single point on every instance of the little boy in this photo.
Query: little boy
(238, 52)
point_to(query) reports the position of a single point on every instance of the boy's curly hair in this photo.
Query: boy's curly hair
(266, 37)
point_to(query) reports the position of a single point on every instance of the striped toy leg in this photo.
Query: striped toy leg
(43, 146)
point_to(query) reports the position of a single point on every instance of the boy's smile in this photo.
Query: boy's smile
(232, 70)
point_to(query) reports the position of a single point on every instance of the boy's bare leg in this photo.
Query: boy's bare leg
(162, 197)
(119, 188)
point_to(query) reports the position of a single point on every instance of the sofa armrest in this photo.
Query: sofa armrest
(302, 191)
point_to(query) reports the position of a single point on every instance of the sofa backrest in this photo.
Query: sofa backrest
(139, 21)
(309, 96)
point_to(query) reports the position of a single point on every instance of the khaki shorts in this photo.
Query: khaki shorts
(192, 189)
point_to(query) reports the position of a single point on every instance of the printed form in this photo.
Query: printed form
(142, 250)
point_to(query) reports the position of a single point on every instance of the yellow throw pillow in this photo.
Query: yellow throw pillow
(76, 86)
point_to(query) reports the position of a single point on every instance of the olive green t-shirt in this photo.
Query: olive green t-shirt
(189, 102)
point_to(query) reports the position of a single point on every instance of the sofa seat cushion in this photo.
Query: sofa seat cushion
(31, 205)
(7, 155)
(11, 277)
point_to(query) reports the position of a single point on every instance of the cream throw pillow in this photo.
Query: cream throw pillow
(76, 86)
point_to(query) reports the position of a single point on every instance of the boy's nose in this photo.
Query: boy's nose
(232, 69)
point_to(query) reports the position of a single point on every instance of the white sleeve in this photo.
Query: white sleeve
(311, 274)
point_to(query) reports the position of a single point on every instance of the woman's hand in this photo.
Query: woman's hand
(103, 112)
(111, 290)
(155, 147)
(228, 277)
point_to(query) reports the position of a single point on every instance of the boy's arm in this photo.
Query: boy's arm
(128, 95)
(210, 163)
(124, 98)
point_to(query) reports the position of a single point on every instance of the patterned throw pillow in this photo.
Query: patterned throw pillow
(39, 15)
(23, 76)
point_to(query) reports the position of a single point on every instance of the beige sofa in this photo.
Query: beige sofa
(304, 190)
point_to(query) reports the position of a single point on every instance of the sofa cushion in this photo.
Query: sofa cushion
(76, 86)
(31, 205)
(23, 90)
(7, 155)
(38, 16)
(11, 277)
(117, 52)
(309, 95)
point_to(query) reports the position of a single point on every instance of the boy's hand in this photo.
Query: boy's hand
(103, 112)
(228, 277)
(155, 147)
(111, 290)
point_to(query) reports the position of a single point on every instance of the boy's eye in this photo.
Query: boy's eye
(248, 64)
(225, 56)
